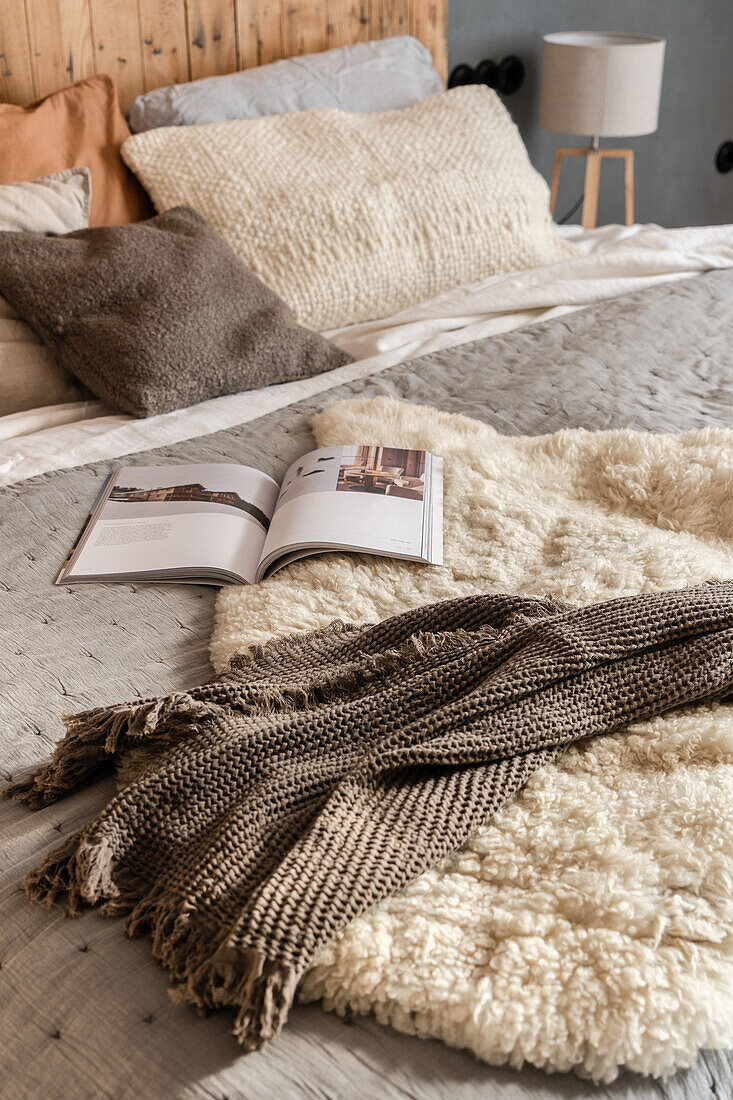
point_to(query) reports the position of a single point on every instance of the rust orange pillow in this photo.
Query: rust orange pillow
(81, 125)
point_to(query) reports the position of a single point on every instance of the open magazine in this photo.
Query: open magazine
(221, 523)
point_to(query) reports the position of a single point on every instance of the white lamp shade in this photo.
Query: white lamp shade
(601, 84)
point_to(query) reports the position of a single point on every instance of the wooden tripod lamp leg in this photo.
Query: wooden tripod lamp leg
(555, 179)
(590, 192)
(593, 158)
(629, 184)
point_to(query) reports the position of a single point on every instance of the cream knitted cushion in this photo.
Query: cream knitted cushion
(349, 217)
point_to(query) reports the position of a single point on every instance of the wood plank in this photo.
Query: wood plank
(304, 27)
(143, 44)
(61, 43)
(429, 23)
(164, 42)
(212, 37)
(426, 20)
(259, 32)
(391, 17)
(116, 39)
(16, 73)
(347, 21)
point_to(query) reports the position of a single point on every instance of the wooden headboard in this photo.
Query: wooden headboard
(141, 44)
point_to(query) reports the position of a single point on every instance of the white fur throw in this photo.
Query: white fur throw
(590, 925)
(350, 217)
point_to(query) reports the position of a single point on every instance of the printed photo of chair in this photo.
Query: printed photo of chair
(384, 477)
(352, 475)
(409, 488)
(384, 471)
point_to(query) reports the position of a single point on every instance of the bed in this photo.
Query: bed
(85, 1012)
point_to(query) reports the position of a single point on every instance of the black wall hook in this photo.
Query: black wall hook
(724, 157)
(506, 77)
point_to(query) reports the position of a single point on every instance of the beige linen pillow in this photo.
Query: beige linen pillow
(29, 376)
(349, 216)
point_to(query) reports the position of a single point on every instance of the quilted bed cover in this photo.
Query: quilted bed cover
(84, 1013)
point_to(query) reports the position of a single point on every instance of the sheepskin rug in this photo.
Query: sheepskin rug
(590, 925)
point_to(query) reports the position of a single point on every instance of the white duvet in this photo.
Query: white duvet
(617, 260)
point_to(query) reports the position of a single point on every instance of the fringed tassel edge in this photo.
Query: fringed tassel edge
(93, 738)
(77, 872)
(260, 990)
(315, 641)
(359, 669)
(268, 655)
(205, 971)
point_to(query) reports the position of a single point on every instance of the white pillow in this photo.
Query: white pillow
(368, 76)
(55, 204)
(349, 216)
(51, 204)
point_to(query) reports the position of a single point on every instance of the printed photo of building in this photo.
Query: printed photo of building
(126, 494)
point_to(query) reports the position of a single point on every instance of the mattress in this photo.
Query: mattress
(85, 1012)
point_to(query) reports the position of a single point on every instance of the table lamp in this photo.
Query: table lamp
(603, 85)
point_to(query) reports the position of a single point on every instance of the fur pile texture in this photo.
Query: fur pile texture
(590, 925)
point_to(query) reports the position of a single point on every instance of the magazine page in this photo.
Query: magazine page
(382, 500)
(171, 522)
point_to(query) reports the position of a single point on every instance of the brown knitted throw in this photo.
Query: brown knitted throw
(269, 807)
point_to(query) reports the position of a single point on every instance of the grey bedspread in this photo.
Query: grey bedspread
(84, 1013)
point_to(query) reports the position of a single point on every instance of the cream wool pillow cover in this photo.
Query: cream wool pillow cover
(589, 926)
(349, 217)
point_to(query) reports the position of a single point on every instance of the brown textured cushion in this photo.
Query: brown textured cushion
(80, 125)
(158, 315)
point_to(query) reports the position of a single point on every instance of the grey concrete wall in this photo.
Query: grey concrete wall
(676, 179)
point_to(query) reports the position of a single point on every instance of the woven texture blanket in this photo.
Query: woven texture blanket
(266, 809)
(573, 931)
